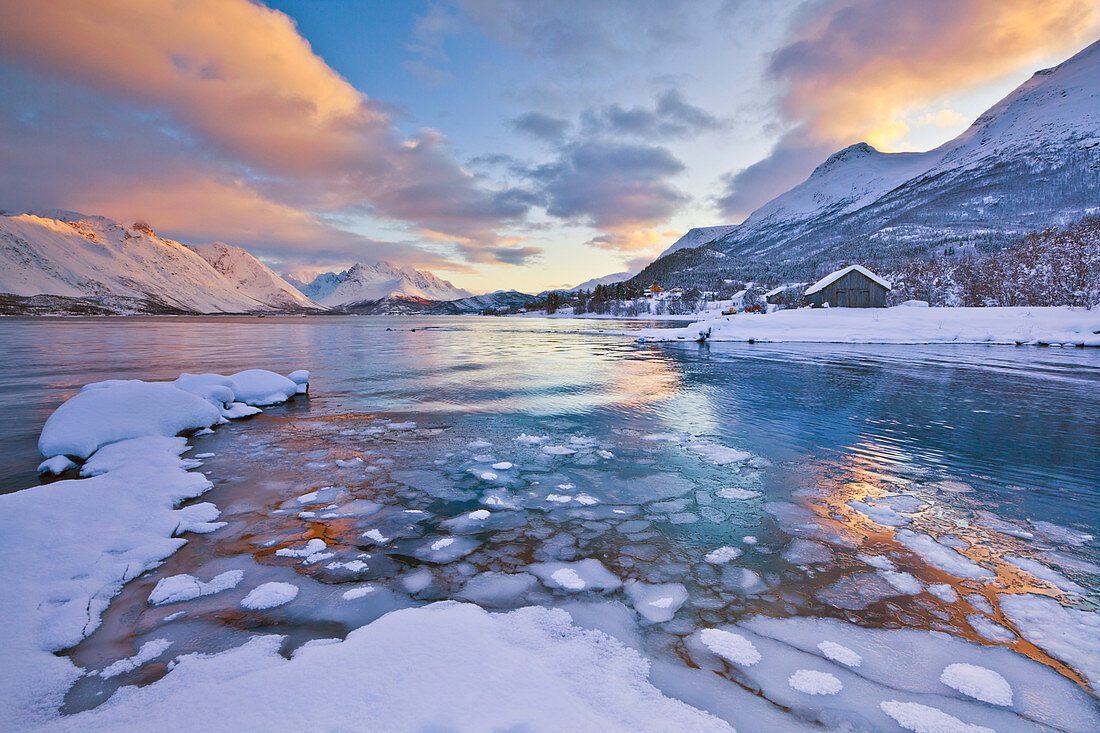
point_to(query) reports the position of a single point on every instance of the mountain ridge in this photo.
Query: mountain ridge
(1030, 161)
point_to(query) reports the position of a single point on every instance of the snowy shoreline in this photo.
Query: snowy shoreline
(74, 543)
(1053, 326)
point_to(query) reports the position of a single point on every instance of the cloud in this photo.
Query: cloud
(610, 184)
(671, 117)
(866, 70)
(228, 89)
(581, 34)
(430, 33)
(631, 239)
(542, 126)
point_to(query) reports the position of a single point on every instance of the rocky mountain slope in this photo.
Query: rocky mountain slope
(93, 264)
(1030, 162)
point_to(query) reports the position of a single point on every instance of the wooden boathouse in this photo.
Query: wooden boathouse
(851, 287)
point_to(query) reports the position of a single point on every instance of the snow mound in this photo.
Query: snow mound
(114, 410)
(926, 719)
(108, 412)
(270, 595)
(176, 588)
(977, 682)
(730, 646)
(840, 653)
(814, 683)
(446, 666)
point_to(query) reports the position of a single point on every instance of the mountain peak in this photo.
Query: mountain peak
(362, 283)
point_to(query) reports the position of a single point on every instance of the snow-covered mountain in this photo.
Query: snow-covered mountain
(698, 236)
(361, 284)
(1031, 161)
(99, 261)
(605, 280)
(252, 277)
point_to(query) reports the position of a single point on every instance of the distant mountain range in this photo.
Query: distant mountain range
(60, 261)
(363, 286)
(1030, 162)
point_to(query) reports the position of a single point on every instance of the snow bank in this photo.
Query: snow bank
(899, 325)
(447, 666)
(114, 410)
(72, 544)
(108, 412)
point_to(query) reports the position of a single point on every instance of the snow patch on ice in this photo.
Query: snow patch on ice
(270, 595)
(814, 683)
(177, 588)
(977, 682)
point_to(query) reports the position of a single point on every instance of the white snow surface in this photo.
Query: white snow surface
(813, 682)
(977, 682)
(1068, 634)
(447, 666)
(926, 719)
(91, 256)
(698, 236)
(898, 325)
(74, 543)
(270, 595)
(176, 588)
(107, 412)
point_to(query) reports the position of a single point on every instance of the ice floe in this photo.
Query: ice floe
(723, 555)
(589, 574)
(656, 602)
(149, 651)
(942, 557)
(1068, 634)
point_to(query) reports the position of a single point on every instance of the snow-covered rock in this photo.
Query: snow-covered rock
(107, 412)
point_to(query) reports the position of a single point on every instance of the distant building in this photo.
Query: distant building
(655, 288)
(852, 287)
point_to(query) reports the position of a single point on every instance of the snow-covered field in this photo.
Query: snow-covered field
(903, 324)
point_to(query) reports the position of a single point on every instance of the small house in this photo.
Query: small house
(852, 287)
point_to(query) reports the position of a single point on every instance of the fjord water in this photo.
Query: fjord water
(585, 445)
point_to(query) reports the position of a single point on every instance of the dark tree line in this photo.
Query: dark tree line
(1052, 267)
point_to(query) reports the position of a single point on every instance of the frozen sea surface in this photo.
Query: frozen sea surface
(870, 537)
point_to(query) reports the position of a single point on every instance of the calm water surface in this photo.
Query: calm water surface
(410, 414)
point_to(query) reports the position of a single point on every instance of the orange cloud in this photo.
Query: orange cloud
(868, 70)
(628, 239)
(860, 70)
(238, 84)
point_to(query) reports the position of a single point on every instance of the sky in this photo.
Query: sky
(502, 144)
